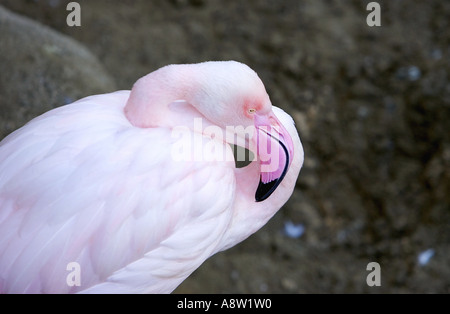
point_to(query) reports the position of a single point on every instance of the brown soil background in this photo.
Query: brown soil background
(372, 106)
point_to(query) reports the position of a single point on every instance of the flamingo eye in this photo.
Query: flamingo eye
(251, 111)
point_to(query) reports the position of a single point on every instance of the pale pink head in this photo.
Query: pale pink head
(227, 93)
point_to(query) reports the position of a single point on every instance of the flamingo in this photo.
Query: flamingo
(96, 183)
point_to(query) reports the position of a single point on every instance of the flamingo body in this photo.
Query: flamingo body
(84, 183)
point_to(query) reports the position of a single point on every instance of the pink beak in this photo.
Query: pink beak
(275, 149)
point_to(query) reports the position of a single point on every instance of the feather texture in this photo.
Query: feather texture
(89, 188)
(97, 183)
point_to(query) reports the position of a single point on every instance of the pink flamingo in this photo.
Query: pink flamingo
(94, 184)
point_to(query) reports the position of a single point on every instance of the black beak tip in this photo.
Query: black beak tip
(264, 190)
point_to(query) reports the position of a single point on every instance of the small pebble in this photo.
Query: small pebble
(363, 111)
(436, 54)
(289, 284)
(293, 230)
(411, 73)
(425, 256)
(414, 73)
(263, 287)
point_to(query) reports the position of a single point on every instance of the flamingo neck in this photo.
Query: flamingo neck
(148, 104)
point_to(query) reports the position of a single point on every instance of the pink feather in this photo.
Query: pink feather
(86, 183)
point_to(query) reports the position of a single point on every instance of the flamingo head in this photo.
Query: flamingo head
(228, 94)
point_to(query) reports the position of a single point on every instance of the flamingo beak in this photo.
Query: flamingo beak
(274, 151)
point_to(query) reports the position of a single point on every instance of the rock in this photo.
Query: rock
(42, 69)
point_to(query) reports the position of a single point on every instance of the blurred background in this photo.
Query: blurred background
(371, 104)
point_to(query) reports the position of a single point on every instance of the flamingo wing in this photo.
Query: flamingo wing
(80, 184)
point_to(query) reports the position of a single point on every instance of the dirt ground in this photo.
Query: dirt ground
(372, 107)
